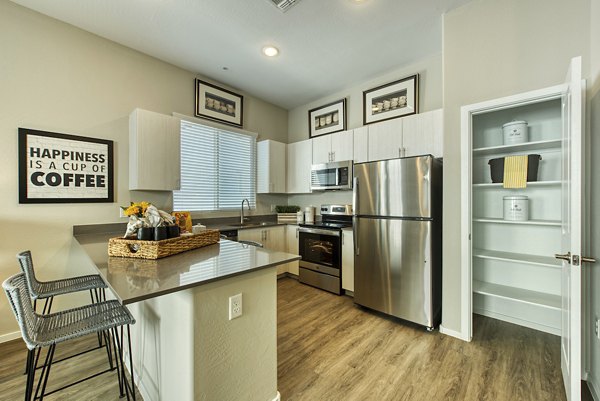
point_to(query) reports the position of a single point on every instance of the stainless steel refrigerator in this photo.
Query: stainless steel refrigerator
(398, 238)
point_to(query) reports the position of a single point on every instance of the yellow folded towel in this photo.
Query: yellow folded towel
(515, 171)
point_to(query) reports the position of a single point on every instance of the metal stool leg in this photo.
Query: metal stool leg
(118, 362)
(30, 375)
(45, 373)
(131, 361)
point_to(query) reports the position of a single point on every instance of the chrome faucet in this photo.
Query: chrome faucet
(242, 218)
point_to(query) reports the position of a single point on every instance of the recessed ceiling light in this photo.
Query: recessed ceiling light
(270, 51)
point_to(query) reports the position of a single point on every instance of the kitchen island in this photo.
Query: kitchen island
(184, 345)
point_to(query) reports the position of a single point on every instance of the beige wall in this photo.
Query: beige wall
(430, 88)
(494, 49)
(55, 77)
(594, 285)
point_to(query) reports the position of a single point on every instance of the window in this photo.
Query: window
(218, 169)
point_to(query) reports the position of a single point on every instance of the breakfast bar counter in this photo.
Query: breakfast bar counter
(184, 345)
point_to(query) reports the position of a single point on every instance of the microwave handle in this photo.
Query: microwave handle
(355, 218)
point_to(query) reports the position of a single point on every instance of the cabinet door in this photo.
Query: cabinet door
(385, 140)
(292, 247)
(321, 147)
(270, 167)
(342, 146)
(422, 134)
(154, 151)
(275, 241)
(299, 160)
(252, 234)
(348, 260)
(361, 144)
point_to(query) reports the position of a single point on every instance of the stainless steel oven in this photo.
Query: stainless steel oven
(320, 245)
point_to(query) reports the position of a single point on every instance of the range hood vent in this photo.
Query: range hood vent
(284, 5)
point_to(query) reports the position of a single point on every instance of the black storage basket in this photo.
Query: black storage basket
(497, 168)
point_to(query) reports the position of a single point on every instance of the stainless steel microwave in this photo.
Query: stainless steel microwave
(336, 175)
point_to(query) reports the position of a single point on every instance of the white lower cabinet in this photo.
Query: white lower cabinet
(272, 238)
(291, 234)
(348, 259)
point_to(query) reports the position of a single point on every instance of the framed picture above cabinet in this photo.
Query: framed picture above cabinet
(392, 100)
(327, 119)
(218, 104)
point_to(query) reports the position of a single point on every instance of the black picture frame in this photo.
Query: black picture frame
(327, 119)
(392, 100)
(218, 104)
(26, 161)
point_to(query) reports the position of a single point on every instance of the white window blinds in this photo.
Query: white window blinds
(218, 169)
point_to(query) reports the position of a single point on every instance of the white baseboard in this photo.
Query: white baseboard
(454, 333)
(594, 388)
(278, 397)
(10, 336)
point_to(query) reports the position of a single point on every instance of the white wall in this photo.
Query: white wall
(56, 77)
(430, 92)
(494, 49)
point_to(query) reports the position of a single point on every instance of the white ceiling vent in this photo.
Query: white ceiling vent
(284, 5)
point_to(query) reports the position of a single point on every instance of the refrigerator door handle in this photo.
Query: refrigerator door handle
(355, 211)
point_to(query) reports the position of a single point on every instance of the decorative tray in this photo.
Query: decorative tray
(134, 248)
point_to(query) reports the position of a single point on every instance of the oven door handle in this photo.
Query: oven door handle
(332, 233)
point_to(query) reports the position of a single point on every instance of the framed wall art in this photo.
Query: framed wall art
(218, 104)
(61, 168)
(392, 100)
(327, 119)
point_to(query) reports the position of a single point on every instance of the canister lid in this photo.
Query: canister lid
(514, 123)
(515, 197)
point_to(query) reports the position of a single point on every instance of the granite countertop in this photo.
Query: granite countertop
(133, 280)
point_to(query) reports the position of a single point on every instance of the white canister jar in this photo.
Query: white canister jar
(300, 217)
(516, 208)
(309, 214)
(515, 132)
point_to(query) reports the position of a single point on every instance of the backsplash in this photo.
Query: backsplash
(319, 198)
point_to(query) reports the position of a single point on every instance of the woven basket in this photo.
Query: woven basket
(133, 248)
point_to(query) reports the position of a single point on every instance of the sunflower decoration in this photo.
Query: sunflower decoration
(137, 209)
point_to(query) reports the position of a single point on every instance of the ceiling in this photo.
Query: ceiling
(325, 45)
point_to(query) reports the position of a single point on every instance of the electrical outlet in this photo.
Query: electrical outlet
(235, 306)
(597, 328)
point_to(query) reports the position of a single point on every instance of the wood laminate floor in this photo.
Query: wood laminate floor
(329, 349)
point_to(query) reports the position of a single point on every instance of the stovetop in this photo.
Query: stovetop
(326, 225)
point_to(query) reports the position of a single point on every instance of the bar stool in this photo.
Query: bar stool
(39, 331)
(47, 290)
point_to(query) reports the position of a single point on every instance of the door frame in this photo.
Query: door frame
(467, 113)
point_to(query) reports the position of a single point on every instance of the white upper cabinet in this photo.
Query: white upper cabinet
(423, 134)
(270, 167)
(333, 147)
(299, 159)
(361, 144)
(321, 149)
(154, 151)
(342, 146)
(385, 140)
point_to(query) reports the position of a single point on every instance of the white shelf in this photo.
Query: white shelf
(517, 257)
(538, 145)
(549, 301)
(529, 184)
(554, 223)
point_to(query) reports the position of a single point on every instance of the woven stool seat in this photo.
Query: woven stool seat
(48, 289)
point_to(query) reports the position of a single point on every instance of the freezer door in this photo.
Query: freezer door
(393, 268)
(397, 188)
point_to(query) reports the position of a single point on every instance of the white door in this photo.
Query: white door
(342, 146)
(321, 149)
(385, 140)
(572, 160)
(299, 159)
